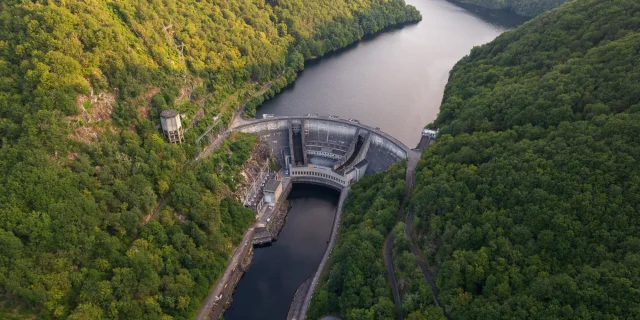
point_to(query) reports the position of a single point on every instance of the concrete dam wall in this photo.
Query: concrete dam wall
(327, 142)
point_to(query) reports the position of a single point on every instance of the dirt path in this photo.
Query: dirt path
(422, 264)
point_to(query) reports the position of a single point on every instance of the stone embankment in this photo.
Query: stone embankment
(298, 300)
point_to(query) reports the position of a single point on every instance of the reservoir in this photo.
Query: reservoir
(394, 81)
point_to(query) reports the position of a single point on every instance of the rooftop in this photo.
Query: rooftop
(272, 185)
(169, 113)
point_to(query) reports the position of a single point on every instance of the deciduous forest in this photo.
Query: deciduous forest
(528, 203)
(527, 8)
(84, 169)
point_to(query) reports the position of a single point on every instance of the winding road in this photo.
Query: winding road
(421, 263)
(388, 246)
(388, 260)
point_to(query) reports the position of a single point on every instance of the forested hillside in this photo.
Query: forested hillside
(83, 165)
(527, 8)
(528, 203)
(354, 284)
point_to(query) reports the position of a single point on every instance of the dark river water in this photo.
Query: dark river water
(268, 286)
(394, 81)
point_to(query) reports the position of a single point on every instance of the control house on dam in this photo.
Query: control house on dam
(326, 150)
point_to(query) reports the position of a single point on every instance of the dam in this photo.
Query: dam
(326, 150)
(312, 150)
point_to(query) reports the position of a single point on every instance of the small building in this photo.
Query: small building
(430, 133)
(272, 191)
(172, 126)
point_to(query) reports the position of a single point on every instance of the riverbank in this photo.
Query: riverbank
(316, 277)
(368, 215)
(298, 300)
(289, 76)
(507, 16)
(220, 297)
(268, 288)
(526, 9)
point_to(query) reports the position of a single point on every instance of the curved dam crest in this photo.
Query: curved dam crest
(326, 143)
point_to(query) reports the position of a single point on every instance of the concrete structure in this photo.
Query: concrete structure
(312, 149)
(326, 150)
(357, 172)
(272, 191)
(316, 174)
(430, 133)
(172, 126)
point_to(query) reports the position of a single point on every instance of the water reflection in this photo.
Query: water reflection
(395, 80)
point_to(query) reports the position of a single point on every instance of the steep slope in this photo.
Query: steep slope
(84, 171)
(354, 283)
(527, 8)
(528, 202)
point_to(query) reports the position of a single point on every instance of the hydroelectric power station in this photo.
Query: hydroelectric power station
(311, 149)
(326, 150)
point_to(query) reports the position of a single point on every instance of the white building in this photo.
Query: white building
(172, 126)
(430, 133)
(272, 191)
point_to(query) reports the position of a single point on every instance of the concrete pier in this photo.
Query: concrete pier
(272, 220)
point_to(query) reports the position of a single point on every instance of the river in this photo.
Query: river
(268, 286)
(394, 81)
